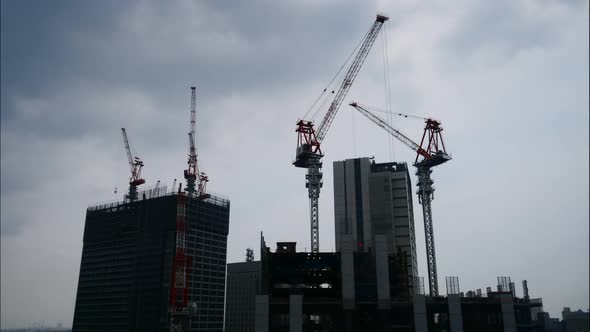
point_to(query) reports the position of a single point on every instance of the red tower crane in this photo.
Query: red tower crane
(308, 154)
(179, 280)
(135, 165)
(429, 153)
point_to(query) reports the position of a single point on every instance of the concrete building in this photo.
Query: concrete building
(243, 283)
(363, 291)
(126, 267)
(575, 321)
(371, 200)
(544, 323)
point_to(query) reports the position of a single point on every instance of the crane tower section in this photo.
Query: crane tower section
(308, 153)
(196, 182)
(429, 153)
(179, 280)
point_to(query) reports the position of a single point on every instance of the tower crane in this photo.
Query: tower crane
(309, 154)
(135, 165)
(196, 182)
(430, 152)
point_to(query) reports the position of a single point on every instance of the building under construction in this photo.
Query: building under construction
(370, 283)
(128, 261)
(353, 290)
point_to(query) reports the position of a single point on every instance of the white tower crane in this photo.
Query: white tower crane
(308, 153)
(135, 165)
(433, 154)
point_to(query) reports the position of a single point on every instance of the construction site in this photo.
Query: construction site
(371, 281)
(156, 260)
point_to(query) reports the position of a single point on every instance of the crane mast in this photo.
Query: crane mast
(196, 181)
(429, 153)
(308, 154)
(135, 165)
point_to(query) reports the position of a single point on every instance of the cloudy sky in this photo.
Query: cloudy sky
(508, 79)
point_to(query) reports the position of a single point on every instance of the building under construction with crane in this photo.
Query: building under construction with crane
(371, 282)
(155, 261)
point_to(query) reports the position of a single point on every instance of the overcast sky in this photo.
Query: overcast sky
(508, 79)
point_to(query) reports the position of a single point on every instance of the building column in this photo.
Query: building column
(420, 322)
(295, 313)
(508, 316)
(261, 318)
(347, 270)
(382, 267)
(455, 314)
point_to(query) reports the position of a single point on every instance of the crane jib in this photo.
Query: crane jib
(350, 77)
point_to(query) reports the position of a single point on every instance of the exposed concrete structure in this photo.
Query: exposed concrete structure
(420, 314)
(261, 312)
(455, 314)
(347, 273)
(360, 291)
(295, 313)
(508, 318)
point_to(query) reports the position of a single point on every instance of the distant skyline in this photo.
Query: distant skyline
(508, 80)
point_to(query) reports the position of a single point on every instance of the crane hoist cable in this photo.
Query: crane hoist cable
(403, 115)
(327, 88)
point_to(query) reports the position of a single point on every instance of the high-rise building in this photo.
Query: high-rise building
(127, 259)
(373, 199)
(243, 283)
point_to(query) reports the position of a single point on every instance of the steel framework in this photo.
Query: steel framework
(179, 286)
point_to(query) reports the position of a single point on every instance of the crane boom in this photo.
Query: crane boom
(129, 156)
(135, 165)
(351, 74)
(308, 154)
(394, 132)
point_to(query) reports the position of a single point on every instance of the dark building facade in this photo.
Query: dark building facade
(364, 291)
(575, 321)
(243, 283)
(125, 271)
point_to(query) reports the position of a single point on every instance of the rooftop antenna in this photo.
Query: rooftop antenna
(249, 255)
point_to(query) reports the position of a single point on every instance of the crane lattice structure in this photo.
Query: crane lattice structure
(179, 287)
(196, 182)
(430, 152)
(309, 153)
(135, 165)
